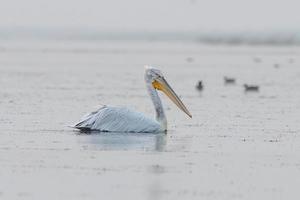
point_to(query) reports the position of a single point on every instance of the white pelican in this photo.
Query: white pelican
(122, 119)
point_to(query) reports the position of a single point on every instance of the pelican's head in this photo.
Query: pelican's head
(159, 83)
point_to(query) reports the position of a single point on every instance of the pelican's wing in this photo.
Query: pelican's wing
(117, 119)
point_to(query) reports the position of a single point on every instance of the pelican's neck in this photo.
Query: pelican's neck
(160, 114)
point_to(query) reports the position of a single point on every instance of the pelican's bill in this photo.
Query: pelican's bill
(162, 84)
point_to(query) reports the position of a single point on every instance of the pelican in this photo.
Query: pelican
(122, 119)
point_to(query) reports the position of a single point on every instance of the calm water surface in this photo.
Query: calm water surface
(237, 146)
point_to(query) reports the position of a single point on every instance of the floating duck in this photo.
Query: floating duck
(252, 88)
(228, 80)
(257, 59)
(276, 65)
(189, 59)
(199, 86)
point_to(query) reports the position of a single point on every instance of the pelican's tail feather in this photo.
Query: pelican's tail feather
(87, 121)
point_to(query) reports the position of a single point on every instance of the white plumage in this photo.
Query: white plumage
(118, 119)
(122, 119)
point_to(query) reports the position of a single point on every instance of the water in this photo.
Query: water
(237, 146)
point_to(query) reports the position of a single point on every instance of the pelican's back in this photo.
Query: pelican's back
(117, 119)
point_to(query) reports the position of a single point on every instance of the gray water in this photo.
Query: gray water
(237, 145)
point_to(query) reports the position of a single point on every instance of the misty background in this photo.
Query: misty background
(231, 21)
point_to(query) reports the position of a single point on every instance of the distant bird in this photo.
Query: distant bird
(228, 80)
(189, 59)
(122, 119)
(251, 88)
(291, 60)
(199, 86)
(257, 59)
(276, 65)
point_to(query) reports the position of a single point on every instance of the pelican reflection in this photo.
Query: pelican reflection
(123, 141)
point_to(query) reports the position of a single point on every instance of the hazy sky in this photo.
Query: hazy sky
(153, 15)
